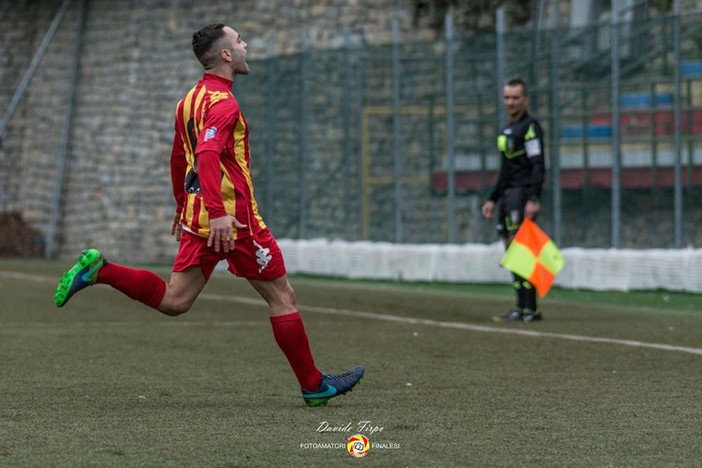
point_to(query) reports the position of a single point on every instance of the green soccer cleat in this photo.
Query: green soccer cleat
(81, 275)
(333, 385)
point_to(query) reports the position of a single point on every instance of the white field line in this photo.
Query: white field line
(12, 327)
(462, 326)
(28, 277)
(413, 321)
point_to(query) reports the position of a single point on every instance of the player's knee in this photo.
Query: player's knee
(283, 301)
(175, 308)
(174, 312)
(288, 297)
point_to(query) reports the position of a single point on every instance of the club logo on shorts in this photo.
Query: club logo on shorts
(263, 256)
(515, 217)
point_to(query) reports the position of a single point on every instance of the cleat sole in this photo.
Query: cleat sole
(315, 402)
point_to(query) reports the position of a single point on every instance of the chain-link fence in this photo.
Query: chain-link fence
(356, 141)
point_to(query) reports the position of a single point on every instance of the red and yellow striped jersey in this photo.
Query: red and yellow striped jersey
(210, 161)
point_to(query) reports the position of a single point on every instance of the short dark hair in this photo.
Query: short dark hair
(202, 43)
(517, 81)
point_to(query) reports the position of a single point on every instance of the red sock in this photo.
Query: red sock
(289, 333)
(141, 285)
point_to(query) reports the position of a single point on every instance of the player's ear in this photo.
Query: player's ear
(225, 55)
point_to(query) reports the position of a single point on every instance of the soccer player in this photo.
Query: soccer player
(518, 187)
(216, 218)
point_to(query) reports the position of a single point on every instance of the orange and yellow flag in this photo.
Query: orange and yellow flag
(534, 256)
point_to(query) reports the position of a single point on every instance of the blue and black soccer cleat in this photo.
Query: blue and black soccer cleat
(332, 386)
(81, 275)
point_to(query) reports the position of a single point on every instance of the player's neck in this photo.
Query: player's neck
(223, 72)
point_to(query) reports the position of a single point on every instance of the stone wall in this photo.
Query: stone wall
(135, 64)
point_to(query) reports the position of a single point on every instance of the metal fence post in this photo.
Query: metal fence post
(500, 65)
(555, 132)
(271, 113)
(397, 128)
(359, 101)
(537, 20)
(615, 143)
(677, 152)
(62, 154)
(302, 155)
(450, 130)
(346, 124)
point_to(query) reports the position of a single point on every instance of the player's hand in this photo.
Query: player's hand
(222, 232)
(531, 209)
(176, 228)
(488, 209)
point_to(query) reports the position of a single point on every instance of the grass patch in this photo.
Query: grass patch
(106, 381)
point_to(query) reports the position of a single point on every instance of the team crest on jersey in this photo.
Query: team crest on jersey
(210, 133)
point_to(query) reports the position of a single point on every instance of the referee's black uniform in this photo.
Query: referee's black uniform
(522, 169)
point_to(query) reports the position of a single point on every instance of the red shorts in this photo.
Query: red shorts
(255, 257)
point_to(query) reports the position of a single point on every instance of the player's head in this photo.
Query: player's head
(515, 97)
(219, 46)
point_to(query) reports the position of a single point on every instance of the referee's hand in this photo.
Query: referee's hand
(488, 209)
(531, 209)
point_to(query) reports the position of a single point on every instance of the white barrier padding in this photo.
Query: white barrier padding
(596, 269)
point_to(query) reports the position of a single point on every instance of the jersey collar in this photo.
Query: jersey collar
(210, 78)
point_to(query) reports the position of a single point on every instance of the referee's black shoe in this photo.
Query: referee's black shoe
(513, 315)
(529, 315)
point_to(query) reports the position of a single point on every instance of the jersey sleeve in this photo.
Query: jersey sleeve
(534, 146)
(179, 165)
(499, 184)
(218, 126)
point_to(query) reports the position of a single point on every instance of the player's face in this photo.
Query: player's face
(237, 52)
(515, 101)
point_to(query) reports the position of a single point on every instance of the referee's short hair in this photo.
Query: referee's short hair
(517, 81)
